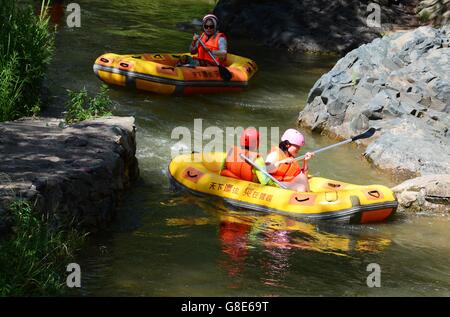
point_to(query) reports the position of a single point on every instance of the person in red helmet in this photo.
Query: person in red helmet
(236, 167)
(214, 40)
(281, 162)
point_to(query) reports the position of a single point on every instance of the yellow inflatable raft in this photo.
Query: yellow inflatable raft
(158, 73)
(328, 199)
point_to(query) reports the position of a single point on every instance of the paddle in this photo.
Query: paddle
(223, 71)
(262, 171)
(364, 135)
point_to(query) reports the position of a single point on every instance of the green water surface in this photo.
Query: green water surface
(166, 243)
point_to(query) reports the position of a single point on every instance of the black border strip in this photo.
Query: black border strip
(281, 306)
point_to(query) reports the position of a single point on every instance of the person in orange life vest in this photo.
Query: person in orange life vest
(281, 162)
(236, 167)
(214, 40)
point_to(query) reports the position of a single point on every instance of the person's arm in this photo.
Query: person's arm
(270, 160)
(194, 45)
(307, 157)
(222, 51)
(305, 167)
(272, 163)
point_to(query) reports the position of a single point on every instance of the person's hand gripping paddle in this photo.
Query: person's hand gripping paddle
(364, 135)
(223, 71)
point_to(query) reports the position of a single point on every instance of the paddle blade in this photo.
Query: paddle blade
(262, 177)
(225, 73)
(365, 135)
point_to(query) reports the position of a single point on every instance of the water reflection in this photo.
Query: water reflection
(234, 239)
(275, 240)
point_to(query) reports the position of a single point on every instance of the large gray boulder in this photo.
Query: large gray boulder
(75, 174)
(400, 84)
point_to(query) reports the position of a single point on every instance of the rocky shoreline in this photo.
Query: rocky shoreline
(399, 84)
(76, 174)
(425, 194)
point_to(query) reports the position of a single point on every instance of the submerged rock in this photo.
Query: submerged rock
(425, 193)
(399, 84)
(76, 174)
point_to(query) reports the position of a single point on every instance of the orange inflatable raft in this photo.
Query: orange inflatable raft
(158, 73)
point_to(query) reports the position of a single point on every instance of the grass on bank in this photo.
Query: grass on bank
(26, 48)
(33, 258)
(82, 107)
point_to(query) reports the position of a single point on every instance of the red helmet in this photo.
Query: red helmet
(250, 139)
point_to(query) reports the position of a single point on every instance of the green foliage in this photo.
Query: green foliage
(10, 88)
(424, 15)
(26, 48)
(101, 104)
(81, 107)
(36, 109)
(76, 110)
(34, 258)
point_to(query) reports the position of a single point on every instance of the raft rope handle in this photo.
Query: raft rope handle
(192, 176)
(374, 193)
(301, 200)
(125, 65)
(104, 60)
(334, 185)
(331, 199)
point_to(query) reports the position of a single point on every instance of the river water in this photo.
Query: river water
(166, 243)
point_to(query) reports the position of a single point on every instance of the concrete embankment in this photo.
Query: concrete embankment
(76, 174)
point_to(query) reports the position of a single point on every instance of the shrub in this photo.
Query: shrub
(26, 48)
(33, 259)
(81, 107)
(424, 15)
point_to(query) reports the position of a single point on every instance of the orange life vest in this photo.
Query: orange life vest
(236, 167)
(285, 172)
(212, 44)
